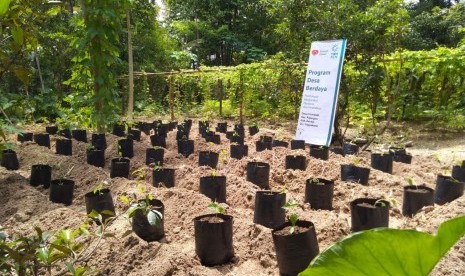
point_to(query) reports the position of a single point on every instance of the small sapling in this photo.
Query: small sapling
(215, 207)
(99, 188)
(291, 207)
(153, 216)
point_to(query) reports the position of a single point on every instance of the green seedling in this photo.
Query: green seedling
(42, 252)
(214, 173)
(153, 216)
(98, 189)
(224, 156)
(385, 202)
(410, 181)
(291, 206)
(314, 180)
(215, 207)
(157, 166)
(139, 176)
(120, 152)
(356, 161)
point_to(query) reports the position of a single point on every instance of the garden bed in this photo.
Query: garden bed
(23, 207)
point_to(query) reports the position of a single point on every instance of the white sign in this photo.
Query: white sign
(321, 89)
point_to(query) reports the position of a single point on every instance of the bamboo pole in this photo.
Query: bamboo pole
(131, 69)
(171, 95)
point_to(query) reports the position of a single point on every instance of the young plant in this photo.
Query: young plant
(39, 253)
(157, 166)
(139, 176)
(4, 130)
(356, 161)
(314, 180)
(153, 216)
(90, 147)
(383, 202)
(119, 151)
(215, 207)
(291, 207)
(410, 181)
(99, 188)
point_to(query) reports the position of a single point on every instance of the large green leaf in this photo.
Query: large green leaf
(4, 4)
(386, 251)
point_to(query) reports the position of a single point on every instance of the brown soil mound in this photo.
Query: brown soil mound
(23, 207)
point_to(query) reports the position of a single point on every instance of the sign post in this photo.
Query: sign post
(320, 94)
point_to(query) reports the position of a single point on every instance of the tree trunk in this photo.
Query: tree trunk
(39, 71)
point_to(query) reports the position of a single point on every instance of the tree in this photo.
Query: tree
(97, 53)
(222, 32)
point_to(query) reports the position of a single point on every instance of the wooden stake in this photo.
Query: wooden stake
(171, 92)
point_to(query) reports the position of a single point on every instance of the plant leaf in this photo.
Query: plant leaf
(61, 248)
(153, 216)
(385, 251)
(124, 199)
(108, 213)
(18, 35)
(4, 4)
(43, 254)
(127, 233)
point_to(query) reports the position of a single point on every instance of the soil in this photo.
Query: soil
(419, 190)
(24, 207)
(212, 219)
(367, 205)
(287, 230)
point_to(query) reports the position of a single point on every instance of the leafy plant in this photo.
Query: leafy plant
(6, 129)
(98, 189)
(139, 176)
(291, 207)
(401, 252)
(153, 216)
(385, 202)
(41, 252)
(410, 181)
(157, 166)
(356, 160)
(314, 180)
(215, 207)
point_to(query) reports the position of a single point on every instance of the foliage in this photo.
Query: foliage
(215, 207)
(399, 251)
(153, 216)
(42, 252)
(222, 32)
(97, 53)
(291, 206)
(99, 187)
(380, 78)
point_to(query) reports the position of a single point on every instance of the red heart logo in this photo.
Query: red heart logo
(315, 52)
